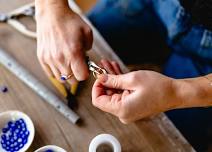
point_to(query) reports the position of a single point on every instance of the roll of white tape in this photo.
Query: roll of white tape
(105, 139)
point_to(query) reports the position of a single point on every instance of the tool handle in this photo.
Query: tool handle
(21, 28)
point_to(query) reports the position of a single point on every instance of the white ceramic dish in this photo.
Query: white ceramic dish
(22, 126)
(51, 148)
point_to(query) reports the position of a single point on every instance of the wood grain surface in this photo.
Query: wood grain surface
(157, 134)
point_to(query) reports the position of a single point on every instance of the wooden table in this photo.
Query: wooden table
(157, 134)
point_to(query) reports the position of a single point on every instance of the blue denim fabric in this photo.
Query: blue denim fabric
(121, 20)
(147, 28)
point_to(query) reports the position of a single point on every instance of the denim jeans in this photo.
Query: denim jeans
(161, 31)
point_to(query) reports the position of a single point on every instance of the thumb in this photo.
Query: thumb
(114, 81)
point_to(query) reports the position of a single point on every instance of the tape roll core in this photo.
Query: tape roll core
(105, 139)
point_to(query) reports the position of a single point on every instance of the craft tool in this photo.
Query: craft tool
(66, 91)
(95, 69)
(37, 86)
(12, 19)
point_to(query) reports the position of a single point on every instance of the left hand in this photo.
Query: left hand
(134, 95)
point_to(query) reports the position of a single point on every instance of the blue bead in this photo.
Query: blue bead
(2, 141)
(21, 145)
(18, 127)
(25, 141)
(4, 89)
(15, 137)
(16, 131)
(15, 144)
(4, 130)
(27, 133)
(3, 136)
(19, 135)
(10, 123)
(23, 136)
(21, 132)
(7, 138)
(19, 140)
(13, 129)
(23, 125)
(21, 120)
(12, 140)
(8, 143)
(4, 145)
(17, 123)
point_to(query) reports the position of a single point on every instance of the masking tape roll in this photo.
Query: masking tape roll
(105, 139)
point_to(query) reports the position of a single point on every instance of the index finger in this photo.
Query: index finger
(100, 99)
(103, 101)
(98, 90)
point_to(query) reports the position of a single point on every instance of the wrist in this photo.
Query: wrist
(173, 95)
(192, 92)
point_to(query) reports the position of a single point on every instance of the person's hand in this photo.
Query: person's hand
(62, 39)
(134, 95)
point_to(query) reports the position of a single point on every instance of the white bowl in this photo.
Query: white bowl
(50, 147)
(21, 119)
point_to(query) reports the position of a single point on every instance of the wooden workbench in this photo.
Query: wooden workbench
(156, 134)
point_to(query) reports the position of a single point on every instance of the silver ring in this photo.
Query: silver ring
(65, 77)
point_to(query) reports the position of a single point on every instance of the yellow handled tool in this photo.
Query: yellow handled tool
(67, 93)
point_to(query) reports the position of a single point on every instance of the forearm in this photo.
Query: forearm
(51, 6)
(195, 92)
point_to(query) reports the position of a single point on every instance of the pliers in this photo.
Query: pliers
(12, 19)
(95, 69)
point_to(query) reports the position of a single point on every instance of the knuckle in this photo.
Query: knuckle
(47, 58)
(58, 57)
(76, 47)
(74, 54)
(89, 31)
(115, 83)
(134, 77)
(75, 51)
(69, 56)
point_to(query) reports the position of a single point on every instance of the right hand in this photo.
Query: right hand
(62, 39)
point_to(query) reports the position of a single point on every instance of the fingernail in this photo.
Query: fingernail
(103, 77)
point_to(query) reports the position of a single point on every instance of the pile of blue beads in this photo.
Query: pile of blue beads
(14, 135)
